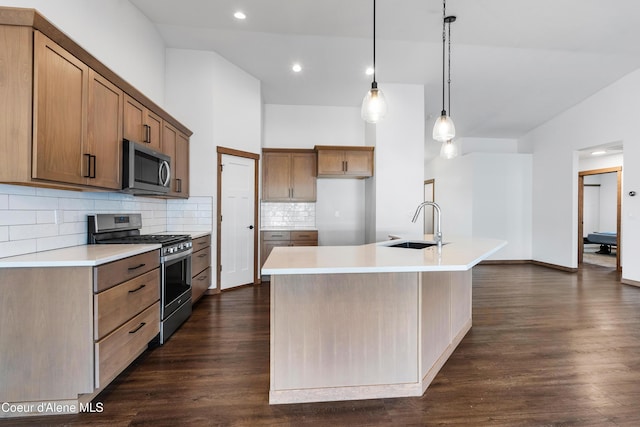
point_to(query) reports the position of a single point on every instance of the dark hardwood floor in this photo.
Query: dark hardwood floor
(546, 348)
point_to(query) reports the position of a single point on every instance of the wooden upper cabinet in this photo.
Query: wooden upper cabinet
(176, 145)
(288, 175)
(141, 124)
(61, 85)
(103, 155)
(344, 161)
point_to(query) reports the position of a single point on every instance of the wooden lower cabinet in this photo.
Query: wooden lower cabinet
(273, 239)
(65, 337)
(200, 267)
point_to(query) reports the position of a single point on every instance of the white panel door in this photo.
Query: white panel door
(238, 194)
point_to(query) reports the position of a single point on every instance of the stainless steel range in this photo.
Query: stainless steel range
(175, 263)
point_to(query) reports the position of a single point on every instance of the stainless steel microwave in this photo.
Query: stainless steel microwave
(144, 171)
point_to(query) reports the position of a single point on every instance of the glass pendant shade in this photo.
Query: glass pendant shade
(444, 129)
(374, 105)
(449, 150)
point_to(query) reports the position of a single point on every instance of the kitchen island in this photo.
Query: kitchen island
(370, 321)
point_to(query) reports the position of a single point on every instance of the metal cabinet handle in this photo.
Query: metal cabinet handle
(136, 267)
(201, 278)
(202, 255)
(93, 174)
(138, 328)
(132, 291)
(88, 175)
(179, 185)
(147, 134)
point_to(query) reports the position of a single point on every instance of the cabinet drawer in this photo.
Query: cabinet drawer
(305, 243)
(200, 260)
(276, 235)
(201, 242)
(117, 350)
(304, 235)
(111, 274)
(201, 283)
(120, 303)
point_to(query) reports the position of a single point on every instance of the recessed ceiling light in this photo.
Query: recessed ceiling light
(598, 153)
(369, 71)
(239, 15)
(296, 68)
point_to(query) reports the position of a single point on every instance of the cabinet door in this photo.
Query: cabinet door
(276, 177)
(331, 162)
(268, 245)
(60, 112)
(154, 126)
(169, 138)
(182, 165)
(141, 125)
(359, 163)
(102, 162)
(134, 124)
(303, 177)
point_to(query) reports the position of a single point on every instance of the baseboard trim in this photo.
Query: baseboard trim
(630, 282)
(528, 261)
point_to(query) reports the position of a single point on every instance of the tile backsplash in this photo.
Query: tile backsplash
(287, 214)
(39, 219)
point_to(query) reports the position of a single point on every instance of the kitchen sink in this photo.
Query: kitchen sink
(413, 245)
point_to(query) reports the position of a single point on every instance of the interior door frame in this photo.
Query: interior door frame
(581, 175)
(433, 198)
(256, 158)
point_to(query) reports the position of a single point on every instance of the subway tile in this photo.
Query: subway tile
(46, 217)
(4, 201)
(24, 232)
(10, 217)
(19, 247)
(22, 202)
(17, 189)
(76, 204)
(57, 242)
(72, 228)
(4, 234)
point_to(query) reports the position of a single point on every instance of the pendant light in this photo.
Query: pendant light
(449, 149)
(374, 106)
(444, 129)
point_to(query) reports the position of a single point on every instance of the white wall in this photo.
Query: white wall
(116, 33)
(486, 195)
(399, 163)
(340, 206)
(221, 104)
(608, 116)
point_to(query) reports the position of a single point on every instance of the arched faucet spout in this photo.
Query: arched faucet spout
(438, 231)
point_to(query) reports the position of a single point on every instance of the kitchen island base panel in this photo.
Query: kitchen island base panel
(363, 335)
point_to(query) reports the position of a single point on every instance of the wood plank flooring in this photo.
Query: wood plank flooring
(546, 348)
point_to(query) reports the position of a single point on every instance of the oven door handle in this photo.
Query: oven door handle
(172, 257)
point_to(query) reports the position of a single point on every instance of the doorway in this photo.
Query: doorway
(592, 233)
(429, 196)
(237, 218)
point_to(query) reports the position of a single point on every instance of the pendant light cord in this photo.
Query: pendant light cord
(374, 41)
(449, 71)
(444, 36)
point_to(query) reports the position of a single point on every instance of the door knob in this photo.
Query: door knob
(250, 227)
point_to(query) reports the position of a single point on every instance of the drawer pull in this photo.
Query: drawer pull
(202, 255)
(138, 328)
(202, 243)
(137, 289)
(203, 278)
(137, 267)
(303, 235)
(276, 235)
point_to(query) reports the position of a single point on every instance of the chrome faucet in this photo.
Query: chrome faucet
(438, 230)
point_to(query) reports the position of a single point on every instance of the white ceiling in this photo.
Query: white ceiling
(515, 63)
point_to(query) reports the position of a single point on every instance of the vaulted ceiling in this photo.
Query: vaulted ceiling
(515, 63)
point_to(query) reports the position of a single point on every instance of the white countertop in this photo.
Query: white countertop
(76, 256)
(457, 255)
